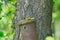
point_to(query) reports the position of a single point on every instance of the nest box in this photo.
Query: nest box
(27, 29)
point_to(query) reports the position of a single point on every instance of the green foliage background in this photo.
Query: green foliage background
(7, 11)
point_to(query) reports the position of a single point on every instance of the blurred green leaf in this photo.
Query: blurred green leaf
(49, 38)
(1, 34)
(0, 6)
(8, 34)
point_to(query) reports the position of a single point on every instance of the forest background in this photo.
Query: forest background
(7, 11)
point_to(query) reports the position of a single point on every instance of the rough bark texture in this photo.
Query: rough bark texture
(41, 10)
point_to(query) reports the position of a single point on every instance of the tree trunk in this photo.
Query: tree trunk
(41, 10)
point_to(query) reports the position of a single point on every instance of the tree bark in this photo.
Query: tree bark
(41, 10)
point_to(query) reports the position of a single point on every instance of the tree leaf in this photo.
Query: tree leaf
(1, 34)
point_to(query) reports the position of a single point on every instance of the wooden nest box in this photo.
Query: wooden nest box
(27, 29)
